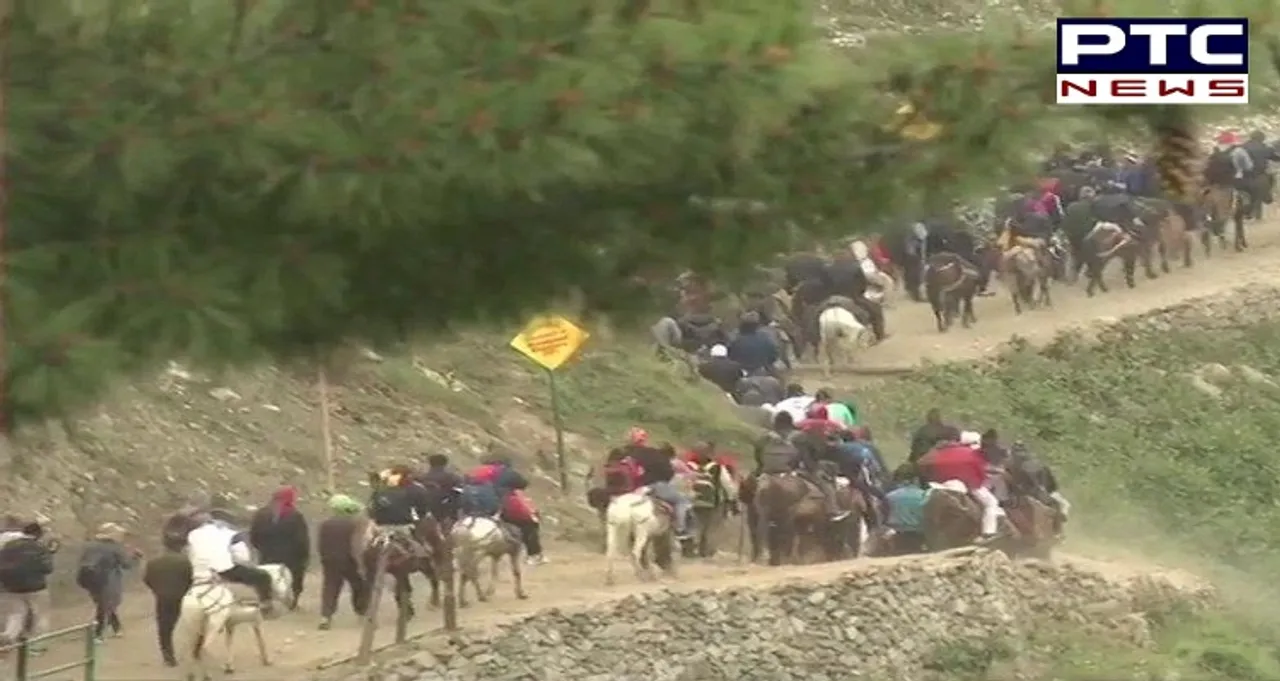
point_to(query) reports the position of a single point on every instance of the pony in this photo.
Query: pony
(477, 538)
(950, 283)
(840, 334)
(647, 522)
(1023, 270)
(211, 607)
(786, 515)
(1103, 242)
(401, 561)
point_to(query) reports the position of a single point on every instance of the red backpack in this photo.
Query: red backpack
(622, 476)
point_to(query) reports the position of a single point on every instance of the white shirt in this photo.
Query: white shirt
(796, 406)
(209, 548)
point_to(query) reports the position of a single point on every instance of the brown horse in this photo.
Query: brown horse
(402, 559)
(1023, 268)
(950, 283)
(844, 540)
(786, 516)
(953, 519)
(1105, 241)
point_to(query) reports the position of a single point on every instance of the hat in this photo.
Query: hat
(719, 350)
(971, 438)
(342, 504)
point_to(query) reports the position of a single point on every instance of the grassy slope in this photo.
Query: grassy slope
(1152, 464)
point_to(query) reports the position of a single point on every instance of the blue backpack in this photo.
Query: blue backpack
(480, 500)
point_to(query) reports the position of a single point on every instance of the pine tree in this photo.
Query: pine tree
(229, 181)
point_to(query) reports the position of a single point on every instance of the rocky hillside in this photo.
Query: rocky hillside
(180, 434)
(943, 616)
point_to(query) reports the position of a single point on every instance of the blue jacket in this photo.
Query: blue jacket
(754, 350)
(906, 508)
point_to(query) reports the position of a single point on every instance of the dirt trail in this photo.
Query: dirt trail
(575, 578)
(915, 339)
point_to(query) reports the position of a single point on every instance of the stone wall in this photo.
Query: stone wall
(883, 620)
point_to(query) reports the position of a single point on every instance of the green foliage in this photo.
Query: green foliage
(227, 181)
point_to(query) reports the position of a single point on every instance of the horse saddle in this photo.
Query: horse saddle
(400, 536)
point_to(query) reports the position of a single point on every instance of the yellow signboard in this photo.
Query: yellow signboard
(550, 341)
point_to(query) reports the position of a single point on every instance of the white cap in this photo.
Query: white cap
(719, 351)
(971, 438)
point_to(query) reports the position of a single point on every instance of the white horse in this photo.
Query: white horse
(636, 516)
(475, 539)
(211, 607)
(840, 335)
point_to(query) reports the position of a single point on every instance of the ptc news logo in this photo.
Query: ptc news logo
(1153, 61)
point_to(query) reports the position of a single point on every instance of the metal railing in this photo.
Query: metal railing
(23, 657)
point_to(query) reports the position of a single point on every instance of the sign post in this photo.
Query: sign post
(550, 341)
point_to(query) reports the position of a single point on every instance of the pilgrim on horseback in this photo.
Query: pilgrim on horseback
(514, 506)
(758, 391)
(396, 505)
(845, 277)
(721, 370)
(657, 476)
(219, 552)
(795, 449)
(444, 485)
(755, 350)
(1030, 476)
(960, 464)
(279, 533)
(904, 524)
(933, 432)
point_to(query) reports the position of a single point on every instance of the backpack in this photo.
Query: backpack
(620, 476)
(706, 486)
(1219, 167)
(479, 500)
(22, 562)
(93, 570)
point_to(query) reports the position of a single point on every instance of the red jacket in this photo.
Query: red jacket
(726, 461)
(956, 462)
(519, 507)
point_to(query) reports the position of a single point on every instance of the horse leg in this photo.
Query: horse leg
(228, 628)
(1130, 262)
(613, 538)
(1186, 250)
(1240, 242)
(517, 576)
(968, 318)
(1015, 294)
(261, 640)
(1144, 254)
(1162, 247)
(404, 595)
(639, 563)
(428, 570)
(493, 577)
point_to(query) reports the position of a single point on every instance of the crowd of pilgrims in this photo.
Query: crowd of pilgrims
(822, 439)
